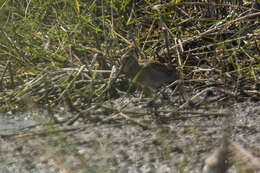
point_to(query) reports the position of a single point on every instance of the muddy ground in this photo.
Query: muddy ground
(136, 135)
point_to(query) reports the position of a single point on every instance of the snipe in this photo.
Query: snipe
(151, 74)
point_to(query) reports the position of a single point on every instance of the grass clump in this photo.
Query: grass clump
(49, 48)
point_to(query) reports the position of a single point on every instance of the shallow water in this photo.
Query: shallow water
(10, 123)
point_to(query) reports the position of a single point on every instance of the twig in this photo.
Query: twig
(73, 80)
(209, 31)
(136, 121)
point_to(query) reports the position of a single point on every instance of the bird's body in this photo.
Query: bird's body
(151, 74)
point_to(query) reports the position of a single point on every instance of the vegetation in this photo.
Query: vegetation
(56, 50)
(66, 53)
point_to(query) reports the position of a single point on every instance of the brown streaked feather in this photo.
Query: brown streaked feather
(152, 74)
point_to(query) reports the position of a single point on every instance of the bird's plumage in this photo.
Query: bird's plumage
(152, 74)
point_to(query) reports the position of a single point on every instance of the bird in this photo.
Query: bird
(151, 74)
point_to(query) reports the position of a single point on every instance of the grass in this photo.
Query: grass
(60, 52)
(39, 39)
